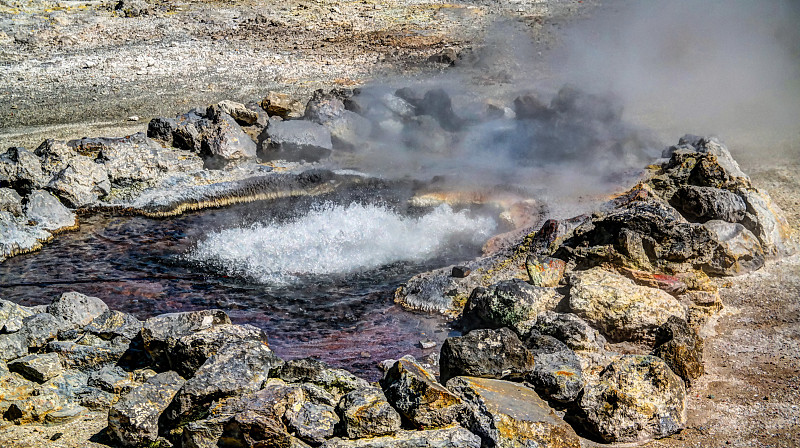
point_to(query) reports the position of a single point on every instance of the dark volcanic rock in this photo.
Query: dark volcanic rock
(528, 106)
(88, 353)
(557, 373)
(486, 354)
(366, 413)
(506, 414)
(114, 323)
(701, 204)
(511, 303)
(37, 367)
(570, 329)
(162, 129)
(160, 334)
(76, 308)
(453, 437)
(681, 348)
(437, 104)
(419, 398)
(336, 382)
(133, 420)
(43, 327)
(192, 350)
(295, 140)
(13, 345)
(312, 422)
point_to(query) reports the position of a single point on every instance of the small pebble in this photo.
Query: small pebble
(460, 271)
(427, 343)
(133, 118)
(366, 355)
(56, 436)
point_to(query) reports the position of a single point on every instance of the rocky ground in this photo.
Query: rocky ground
(63, 57)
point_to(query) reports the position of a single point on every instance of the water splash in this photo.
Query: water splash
(337, 239)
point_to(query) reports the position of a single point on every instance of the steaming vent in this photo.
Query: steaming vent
(335, 239)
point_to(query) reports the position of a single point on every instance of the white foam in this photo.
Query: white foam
(337, 239)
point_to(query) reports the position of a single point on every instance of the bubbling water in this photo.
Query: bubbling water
(335, 239)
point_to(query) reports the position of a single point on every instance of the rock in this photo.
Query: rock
(423, 133)
(81, 183)
(460, 271)
(447, 56)
(256, 429)
(54, 155)
(486, 354)
(418, 397)
(37, 367)
(557, 373)
(42, 328)
(618, 308)
(66, 414)
(636, 398)
(48, 212)
(324, 107)
(437, 104)
(453, 437)
(767, 222)
(282, 105)
(160, 334)
(13, 345)
(681, 348)
(366, 413)
(238, 112)
(577, 104)
(226, 142)
(349, 131)
(312, 422)
(236, 369)
(162, 130)
(112, 379)
(10, 201)
(76, 308)
(113, 323)
(545, 272)
(701, 204)
(133, 8)
(85, 356)
(529, 106)
(11, 316)
(133, 420)
(337, 382)
(190, 131)
(511, 303)
(22, 170)
(738, 250)
(295, 140)
(571, 330)
(506, 414)
(192, 350)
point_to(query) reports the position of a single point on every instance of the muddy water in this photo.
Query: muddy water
(140, 266)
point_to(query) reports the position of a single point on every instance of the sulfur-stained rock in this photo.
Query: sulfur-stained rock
(282, 105)
(512, 303)
(570, 329)
(452, 437)
(11, 316)
(238, 112)
(738, 250)
(336, 382)
(113, 323)
(161, 333)
(636, 398)
(312, 422)
(618, 308)
(419, 398)
(37, 367)
(557, 373)
(133, 420)
(681, 348)
(507, 415)
(366, 413)
(192, 350)
(486, 354)
(81, 183)
(545, 271)
(76, 308)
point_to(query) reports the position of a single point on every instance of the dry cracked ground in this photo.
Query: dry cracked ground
(81, 68)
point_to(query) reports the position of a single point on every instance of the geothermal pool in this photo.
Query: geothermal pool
(317, 274)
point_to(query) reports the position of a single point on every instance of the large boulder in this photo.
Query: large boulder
(192, 350)
(570, 329)
(738, 250)
(620, 309)
(160, 334)
(701, 204)
(419, 398)
(557, 374)
(133, 420)
(508, 415)
(336, 382)
(295, 140)
(681, 348)
(452, 437)
(635, 399)
(76, 308)
(48, 212)
(81, 183)
(366, 413)
(512, 303)
(11, 315)
(486, 354)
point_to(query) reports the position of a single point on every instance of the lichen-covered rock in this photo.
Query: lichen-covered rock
(112, 379)
(485, 354)
(113, 323)
(161, 333)
(738, 250)
(192, 350)
(419, 398)
(557, 373)
(545, 271)
(81, 183)
(236, 369)
(509, 415)
(133, 420)
(701, 204)
(11, 316)
(452, 437)
(570, 329)
(37, 367)
(48, 212)
(366, 413)
(681, 348)
(10, 201)
(76, 308)
(512, 303)
(336, 382)
(620, 309)
(636, 398)
(295, 140)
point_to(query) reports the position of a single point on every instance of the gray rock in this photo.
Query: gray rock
(681, 348)
(112, 379)
(486, 354)
(349, 131)
(162, 129)
(506, 414)
(738, 250)
(22, 170)
(190, 130)
(511, 303)
(10, 201)
(419, 398)
(636, 398)
(366, 413)
(295, 140)
(226, 142)
(160, 334)
(570, 329)
(336, 382)
(76, 308)
(238, 112)
(192, 350)
(85, 357)
(42, 328)
(55, 156)
(437, 104)
(37, 367)
(767, 222)
(312, 422)
(13, 345)
(453, 437)
(557, 373)
(81, 183)
(529, 106)
(48, 212)
(133, 420)
(323, 107)
(11, 316)
(113, 323)
(701, 204)
(236, 369)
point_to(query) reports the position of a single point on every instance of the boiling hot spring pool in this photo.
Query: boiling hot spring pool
(317, 274)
